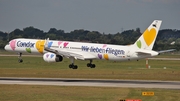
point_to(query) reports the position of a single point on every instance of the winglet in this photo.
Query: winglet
(147, 39)
(48, 49)
(46, 43)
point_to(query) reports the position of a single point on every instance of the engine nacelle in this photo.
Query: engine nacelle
(51, 57)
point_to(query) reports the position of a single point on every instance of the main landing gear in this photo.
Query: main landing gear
(20, 60)
(91, 65)
(72, 64)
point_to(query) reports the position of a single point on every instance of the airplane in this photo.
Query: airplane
(55, 51)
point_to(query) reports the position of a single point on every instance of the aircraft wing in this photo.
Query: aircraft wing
(76, 55)
(68, 53)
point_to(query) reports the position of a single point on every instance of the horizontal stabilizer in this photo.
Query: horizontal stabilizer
(147, 52)
(165, 51)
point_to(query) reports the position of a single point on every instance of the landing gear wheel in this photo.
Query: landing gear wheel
(73, 66)
(20, 60)
(88, 65)
(91, 65)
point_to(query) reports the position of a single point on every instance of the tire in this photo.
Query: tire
(75, 67)
(88, 65)
(70, 66)
(20, 60)
(93, 66)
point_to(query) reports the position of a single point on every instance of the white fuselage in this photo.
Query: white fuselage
(99, 51)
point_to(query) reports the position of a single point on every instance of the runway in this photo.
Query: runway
(92, 82)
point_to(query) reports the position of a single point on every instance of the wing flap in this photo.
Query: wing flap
(76, 55)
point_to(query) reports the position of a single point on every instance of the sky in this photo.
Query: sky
(105, 16)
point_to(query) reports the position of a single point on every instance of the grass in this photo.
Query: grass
(36, 67)
(65, 93)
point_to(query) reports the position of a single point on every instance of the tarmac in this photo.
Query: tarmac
(91, 82)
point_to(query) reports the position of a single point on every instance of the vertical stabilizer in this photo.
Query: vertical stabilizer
(147, 39)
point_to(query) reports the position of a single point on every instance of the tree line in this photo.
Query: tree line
(166, 39)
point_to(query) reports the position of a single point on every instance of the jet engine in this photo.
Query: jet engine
(51, 57)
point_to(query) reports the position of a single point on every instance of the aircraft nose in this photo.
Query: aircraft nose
(7, 48)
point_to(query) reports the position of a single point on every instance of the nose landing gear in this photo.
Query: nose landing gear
(20, 60)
